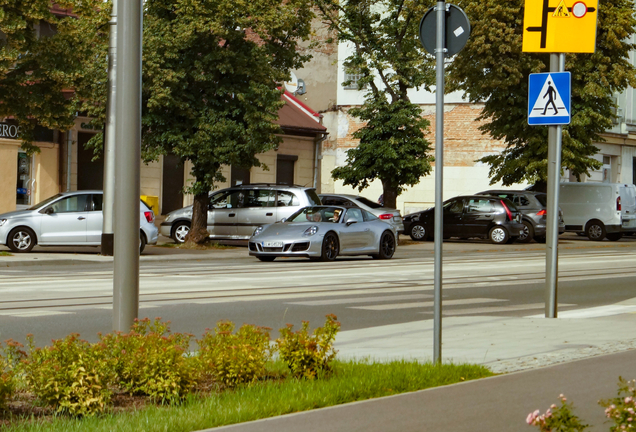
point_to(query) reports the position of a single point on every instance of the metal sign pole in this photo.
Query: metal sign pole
(128, 160)
(439, 164)
(555, 135)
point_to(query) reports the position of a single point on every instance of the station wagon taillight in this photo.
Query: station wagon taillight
(618, 204)
(386, 216)
(508, 212)
(542, 212)
(150, 216)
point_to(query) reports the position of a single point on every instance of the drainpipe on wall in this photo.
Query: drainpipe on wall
(69, 158)
(318, 143)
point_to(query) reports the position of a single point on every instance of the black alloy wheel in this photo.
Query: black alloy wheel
(330, 247)
(418, 232)
(527, 234)
(387, 245)
(21, 239)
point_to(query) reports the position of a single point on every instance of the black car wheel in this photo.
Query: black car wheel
(330, 247)
(21, 240)
(614, 236)
(527, 234)
(595, 230)
(180, 231)
(387, 245)
(266, 258)
(142, 242)
(418, 232)
(498, 235)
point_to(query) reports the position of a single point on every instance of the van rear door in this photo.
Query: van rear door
(628, 206)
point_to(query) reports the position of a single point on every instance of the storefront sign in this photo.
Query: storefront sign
(9, 130)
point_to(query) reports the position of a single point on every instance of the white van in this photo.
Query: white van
(599, 210)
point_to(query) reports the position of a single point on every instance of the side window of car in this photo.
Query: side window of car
(368, 216)
(259, 198)
(97, 201)
(75, 203)
(230, 199)
(456, 206)
(479, 206)
(522, 201)
(287, 199)
(354, 215)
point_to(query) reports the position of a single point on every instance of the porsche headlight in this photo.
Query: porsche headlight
(257, 231)
(310, 231)
(3, 221)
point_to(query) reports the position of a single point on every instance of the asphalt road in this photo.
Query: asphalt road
(51, 301)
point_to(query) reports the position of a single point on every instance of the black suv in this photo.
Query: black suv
(469, 216)
(532, 206)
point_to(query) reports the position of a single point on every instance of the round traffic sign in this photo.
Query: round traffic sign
(457, 30)
(579, 9)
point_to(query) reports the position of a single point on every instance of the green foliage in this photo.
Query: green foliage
(386, 48)
(492, 69)
(39, 69)
(10, 357)
(71, 375)
(306, 355)
(621, 410)
(392, 147)
(234, 359)
(152, 361)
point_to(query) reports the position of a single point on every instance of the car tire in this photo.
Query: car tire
(266, 258)
(330, 247)
(387, 246)
(418, 232)
(21, 240)
(595, 230)
(614, 236)
(142, 242)
(498, 235)
(180, 231)
(528, 233)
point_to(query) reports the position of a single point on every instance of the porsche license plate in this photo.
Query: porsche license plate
(272, 244)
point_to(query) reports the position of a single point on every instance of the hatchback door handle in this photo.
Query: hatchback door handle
(232, 214)
(81, 218)
(269, 214)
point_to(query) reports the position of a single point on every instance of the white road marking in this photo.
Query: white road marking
(360, 300)
(498, 309)
(427, 304)
(594, 312)
(34, 313)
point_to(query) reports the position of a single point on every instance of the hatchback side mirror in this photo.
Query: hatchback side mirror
(49, 210)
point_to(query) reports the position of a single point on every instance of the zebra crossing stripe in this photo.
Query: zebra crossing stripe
(427, 304)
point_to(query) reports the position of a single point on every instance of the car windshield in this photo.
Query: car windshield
(368, 202)
(316, 214)
(45, 202)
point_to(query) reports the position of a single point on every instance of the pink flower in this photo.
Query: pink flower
(531, 417)
(628, 399)
(553, 406)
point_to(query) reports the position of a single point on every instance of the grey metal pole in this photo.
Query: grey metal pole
(69, 158)
(127, 167)
(109, 140)
(439, 167)
(555, 135)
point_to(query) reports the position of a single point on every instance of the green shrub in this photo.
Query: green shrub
(234, 359)
(152, 361)
(72, 375)
(305, 354)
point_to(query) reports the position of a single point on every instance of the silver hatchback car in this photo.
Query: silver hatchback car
(235, 212)
(66, 219)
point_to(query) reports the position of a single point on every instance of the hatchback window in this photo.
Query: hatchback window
(369, 203)
(479, 206)
(456, 206)
(97, 201)
(229, 199)
(312, 197)
(521, 200)
(260, 198)
(543, 199)
(287, 199)
(75, 203)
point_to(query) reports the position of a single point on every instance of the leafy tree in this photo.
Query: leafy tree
(42, 59)
(492, 68)
(210, 95)
(387, 53)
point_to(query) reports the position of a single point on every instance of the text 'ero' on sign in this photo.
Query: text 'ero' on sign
(560, 26)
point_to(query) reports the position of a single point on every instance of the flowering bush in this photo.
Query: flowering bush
(305, 355)
(233, 359)
(621, 409)
(152, 361)
(559, 419)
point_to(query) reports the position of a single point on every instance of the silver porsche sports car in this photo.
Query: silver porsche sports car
(323, 233)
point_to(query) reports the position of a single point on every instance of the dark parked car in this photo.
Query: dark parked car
(532, 206)
(481, 216)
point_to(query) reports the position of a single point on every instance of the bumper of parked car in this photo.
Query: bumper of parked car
(165, 229)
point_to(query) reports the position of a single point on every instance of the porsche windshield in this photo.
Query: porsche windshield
(317, 214)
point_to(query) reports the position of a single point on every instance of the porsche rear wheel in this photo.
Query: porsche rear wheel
(387, 245)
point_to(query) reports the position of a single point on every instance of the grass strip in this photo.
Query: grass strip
(349, 382)
(5, 253)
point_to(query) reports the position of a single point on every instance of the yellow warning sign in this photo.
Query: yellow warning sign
(561, 10)
(560, 26)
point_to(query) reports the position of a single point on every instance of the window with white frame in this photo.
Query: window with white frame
(353, 81)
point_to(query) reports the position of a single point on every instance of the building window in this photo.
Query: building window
(353, 81)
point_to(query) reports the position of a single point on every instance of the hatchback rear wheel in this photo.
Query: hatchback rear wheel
(527, 234)
(498, 235)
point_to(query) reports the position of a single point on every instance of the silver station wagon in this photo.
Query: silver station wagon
(235, 212)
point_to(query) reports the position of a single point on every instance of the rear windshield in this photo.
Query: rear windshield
(313, 197)
(543, 199)
(369, 203)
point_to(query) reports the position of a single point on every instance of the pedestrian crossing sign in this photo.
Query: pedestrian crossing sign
(549, 99)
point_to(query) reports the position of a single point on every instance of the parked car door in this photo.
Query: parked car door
(258, 209)
(64, 221)
(453, 218)
(223, 214)
(94, 219)
(478, 216)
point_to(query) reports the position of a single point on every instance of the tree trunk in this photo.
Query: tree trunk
(199, 226)
(389, 195)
